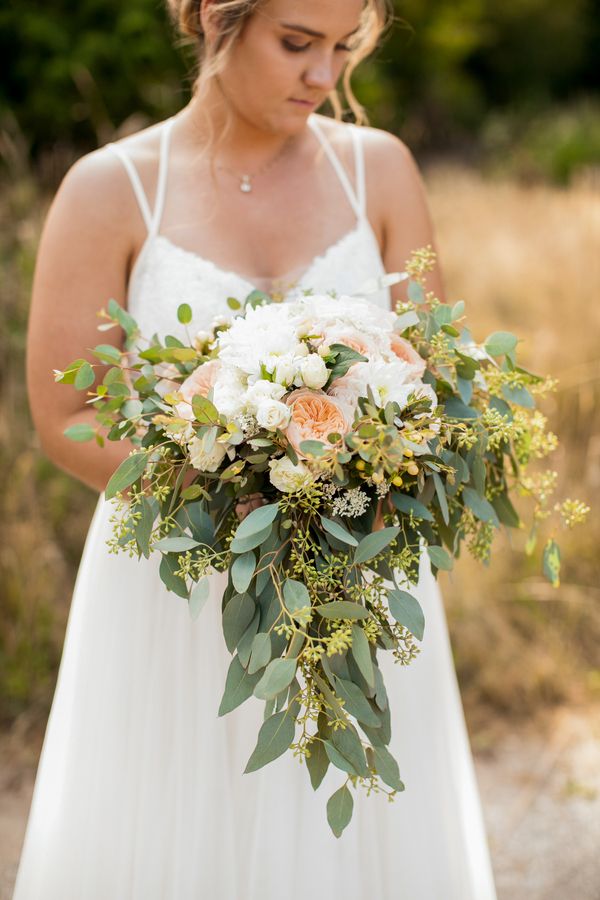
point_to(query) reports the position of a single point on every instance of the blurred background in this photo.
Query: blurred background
(499, 101)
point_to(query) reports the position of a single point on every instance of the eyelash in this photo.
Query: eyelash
(294, 48)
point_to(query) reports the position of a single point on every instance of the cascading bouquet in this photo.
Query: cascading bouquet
(372, 437)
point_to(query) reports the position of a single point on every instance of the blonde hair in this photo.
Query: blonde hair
(230, 17)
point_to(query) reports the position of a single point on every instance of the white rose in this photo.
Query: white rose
(284, 370)
(314, 372)
(271, 414)
(287, 477)
(206, 461)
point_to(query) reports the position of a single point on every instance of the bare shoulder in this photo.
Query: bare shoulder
(97, 191)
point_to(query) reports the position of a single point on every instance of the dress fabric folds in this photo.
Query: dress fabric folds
(140, 792)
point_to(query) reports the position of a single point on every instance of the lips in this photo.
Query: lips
(304, 102)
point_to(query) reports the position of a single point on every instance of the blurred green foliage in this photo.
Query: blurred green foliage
(75, 72)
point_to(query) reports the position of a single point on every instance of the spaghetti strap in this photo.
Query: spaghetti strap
(357, 199)
(152, 218)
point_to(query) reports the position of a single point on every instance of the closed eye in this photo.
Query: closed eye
(298, 48)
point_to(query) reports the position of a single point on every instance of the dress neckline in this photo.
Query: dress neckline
(362, 225)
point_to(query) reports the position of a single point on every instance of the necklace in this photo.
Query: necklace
(245, 178)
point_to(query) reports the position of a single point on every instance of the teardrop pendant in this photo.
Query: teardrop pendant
(246, 184)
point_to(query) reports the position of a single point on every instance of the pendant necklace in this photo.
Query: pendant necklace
(246, 186)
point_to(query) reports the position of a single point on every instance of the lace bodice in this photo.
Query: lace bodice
(165, 275)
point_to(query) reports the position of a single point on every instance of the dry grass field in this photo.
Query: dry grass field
(524, 258)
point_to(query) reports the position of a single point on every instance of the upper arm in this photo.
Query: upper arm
(395, 180)
(82, 262)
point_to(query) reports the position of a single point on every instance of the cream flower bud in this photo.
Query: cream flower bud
(314, 372)
(271, 414)
(287, 477)
(203, 459)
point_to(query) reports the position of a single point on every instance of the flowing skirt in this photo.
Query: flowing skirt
(140, 792)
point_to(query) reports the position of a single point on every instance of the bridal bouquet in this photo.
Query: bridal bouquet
(371, 437)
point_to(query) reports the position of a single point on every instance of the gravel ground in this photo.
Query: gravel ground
(540, 788)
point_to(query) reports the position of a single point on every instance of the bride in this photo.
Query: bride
(140, 793)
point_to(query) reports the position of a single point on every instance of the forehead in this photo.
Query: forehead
(331, 17)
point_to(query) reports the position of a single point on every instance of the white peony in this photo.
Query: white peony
(271, 414)
(313, 371)
(203, 459)
(260, 391)
(287, 477)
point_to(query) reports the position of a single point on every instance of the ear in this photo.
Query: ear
(207, 19)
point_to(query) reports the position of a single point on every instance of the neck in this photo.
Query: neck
(244, 144)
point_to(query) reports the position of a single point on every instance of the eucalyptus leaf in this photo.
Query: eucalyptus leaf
(317, 763)
(342, 609)
(175, 544)
(129, 471)
(406, 610)
(552, 563)
(275, 736)
(277, 676)
(406, 504)
(387, 767)
(439, 557)
(198, 597)
(339, 810)
(355, 702)
(237, 615)
(79, 432)
(239, 685)
(242, 545)
(242, 571)
(295, 595)
(362, 654)
(256, 521)
(500, 342)
(260, 655)
(481, 507)
(374, 543)
(338, 531)
(347, 742)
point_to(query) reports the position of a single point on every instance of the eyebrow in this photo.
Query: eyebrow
(310, 31)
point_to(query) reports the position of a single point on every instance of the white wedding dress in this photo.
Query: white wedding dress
(140, 792)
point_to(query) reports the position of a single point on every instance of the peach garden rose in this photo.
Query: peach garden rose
(314, 416)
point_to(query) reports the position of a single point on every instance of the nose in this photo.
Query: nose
(321, 74)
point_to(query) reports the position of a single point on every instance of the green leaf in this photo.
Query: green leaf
(192, 492)
(387, 767)
(184, 313)
(342, 609)
(406, 610)
(552, 563)
(338, 531)
(439, 557)
(441, 495)
(313, 448)
(260, 655)
(317, 763)
(108, 354)
(296, 596)
(237, 615)
(347, 742)
(277, 676)
(257, 521)
(481, 507)
(355, 702)
(416, 293)
(362, 654)
(205, 412)
(519, 395)
(339, 810)
(275, 736)
(345, 357)
(249, 543)
(456, 409)
(338, 759)
(242, 571)
(239, 685)
(406, 504)
(374, 543)
(85, 377)
(143, 528)
(79, 432)
(175, 544)
(506, 511)
(500, 343)
(168, 566)
(129, 471)
(198, 597)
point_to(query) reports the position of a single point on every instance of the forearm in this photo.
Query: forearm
(87, 461)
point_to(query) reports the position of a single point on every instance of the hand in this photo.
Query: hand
(248, 504)
(378, 524)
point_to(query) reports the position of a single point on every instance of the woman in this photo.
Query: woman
(140, 792)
